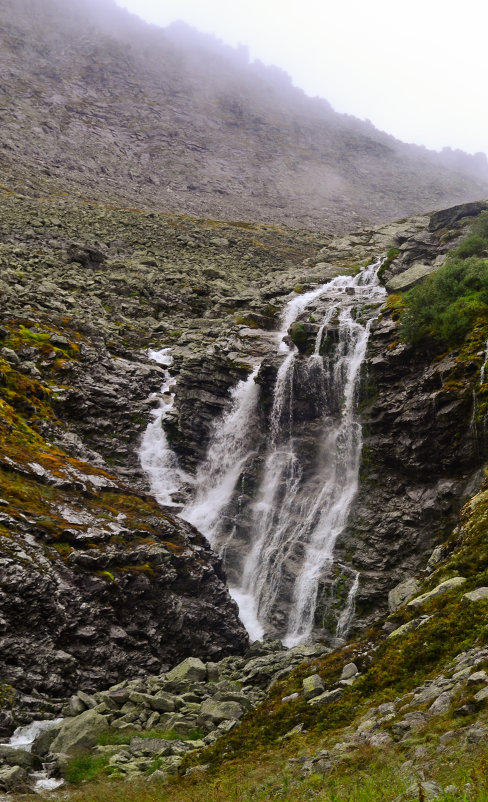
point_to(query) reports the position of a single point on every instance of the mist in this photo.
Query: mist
(417, 71)
(195, 123)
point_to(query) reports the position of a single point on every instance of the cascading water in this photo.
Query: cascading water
(347, 613)
(23, 739)
(301, 503)
(298, 514)
(277, 536)
(157, 459)
(230, 448)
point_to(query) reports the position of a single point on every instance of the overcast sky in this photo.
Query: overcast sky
(418, 70)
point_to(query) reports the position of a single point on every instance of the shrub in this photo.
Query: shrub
(471, 246)
(447, 303)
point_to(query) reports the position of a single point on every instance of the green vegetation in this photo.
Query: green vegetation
(367, 775)
(448, 303)
(117, 737)
(87, 766)
(390, 257)
(299, 335)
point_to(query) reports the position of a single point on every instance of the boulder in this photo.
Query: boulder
(444, 587)
(480, 594)
(190, 670)
(401, 593)
(327, 698)
(19, 757)
(481, 696)
(220, 711)
(13, 778)
(153, 746)
(410, 626)
(409, 278)
(80, 732)
(42, 743)
(350, 670)
(312, 686)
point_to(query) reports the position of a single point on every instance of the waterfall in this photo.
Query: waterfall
(483, 367)
(273, 502)
(157, 459)
(23, 739)
(230, 448)
(347, 613)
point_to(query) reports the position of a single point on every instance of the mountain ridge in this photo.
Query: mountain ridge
(102, 105)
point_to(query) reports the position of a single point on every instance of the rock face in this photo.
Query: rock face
(114, 583)
(415, 404)
(86, 112)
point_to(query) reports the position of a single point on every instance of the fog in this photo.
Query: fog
(416, 70)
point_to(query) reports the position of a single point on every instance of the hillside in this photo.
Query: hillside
(243, 451)
(98, 104)
(90, 550)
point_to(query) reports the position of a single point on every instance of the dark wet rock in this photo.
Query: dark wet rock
(447, 218)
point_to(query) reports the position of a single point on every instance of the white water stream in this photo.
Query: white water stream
(158, 460)
(23, 738)
(298, 510)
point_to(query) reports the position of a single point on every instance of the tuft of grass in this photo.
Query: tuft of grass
(116, 737)
(82, 768)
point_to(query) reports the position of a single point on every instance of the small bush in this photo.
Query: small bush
(471, 246)
(447, 303)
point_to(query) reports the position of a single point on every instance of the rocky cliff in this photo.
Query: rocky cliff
(99, 584)
(84, 291)
(96, 103)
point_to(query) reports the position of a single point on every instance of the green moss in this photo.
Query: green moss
(7, 696)
(299, 335)
(389, 258)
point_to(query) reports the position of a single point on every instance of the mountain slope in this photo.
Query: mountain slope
(97, 103)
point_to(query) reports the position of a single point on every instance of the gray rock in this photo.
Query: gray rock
(442, 704)
(480, 594)
(482, 695)
(190, 670)
(213, 672)
(402, 592)
(216, 712)
(410, 626)
(152, 746)
(312, 686)
(478, 676)
(13, 778)
(80, 732)
(350, 670)
(327, 698)
(87, 700)
(19, 757)
(444, 587)
(42, 744)
(9, 355)
(409, 278)
(76, 705)
(431, 789)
